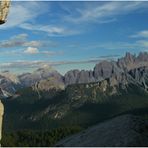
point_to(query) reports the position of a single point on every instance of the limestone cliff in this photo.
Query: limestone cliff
(1, 117)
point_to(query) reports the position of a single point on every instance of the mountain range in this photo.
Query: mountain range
(126, 67)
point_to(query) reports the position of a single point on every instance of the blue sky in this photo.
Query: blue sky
(71, 35)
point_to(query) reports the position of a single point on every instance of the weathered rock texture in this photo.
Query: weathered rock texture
(107, 69)
(29, 79)
(1, 118)
(125, 130)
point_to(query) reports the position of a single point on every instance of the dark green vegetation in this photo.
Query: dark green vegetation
(29, 138)
(81, 106)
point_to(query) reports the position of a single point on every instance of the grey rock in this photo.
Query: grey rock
(30, 79)
(121, 131)
(106, 69)
(7, 85)
(143, 56)
(76, 77)
(71, 77)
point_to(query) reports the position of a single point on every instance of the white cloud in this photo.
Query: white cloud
(22, 36)
(14, 41)
(51, 30)
(31, 50)
(20, 64)
(142, 39)
(141, 34)
(25, 14)
(100, 13)
(38, 64)
(33, 43)
(19, 40)
(21, 12)
(112, 46)
(143, 43)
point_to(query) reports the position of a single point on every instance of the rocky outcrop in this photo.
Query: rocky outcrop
(126, 62)
(97, 91)
(30, 79)
(48, 88)
(48, 84)
(4, 94)
(76, 77)
(130, 61)
(13, 77)
(102, 70)
(122, 131)
(140, 75)
(107, 69)
(7, 84)
(1, 118)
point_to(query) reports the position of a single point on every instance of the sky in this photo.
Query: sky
(71, 35)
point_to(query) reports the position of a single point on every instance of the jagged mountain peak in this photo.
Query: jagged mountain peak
(42, 73)
(106, 69)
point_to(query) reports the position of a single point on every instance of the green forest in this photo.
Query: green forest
(28, 138)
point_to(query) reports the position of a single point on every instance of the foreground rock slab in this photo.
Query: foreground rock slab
(125, 130)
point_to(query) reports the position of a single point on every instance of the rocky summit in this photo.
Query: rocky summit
(107, 69)
(29, 79)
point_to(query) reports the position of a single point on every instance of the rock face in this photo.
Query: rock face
(48, 87)
(48, 84)
(4, 94)
(122, 131)
(112, 83)
(7, 85)
(10, 76)
(29, 79)
(107, 69)
(132, 61)
(1, 118)
(140, 75)
(76, 76)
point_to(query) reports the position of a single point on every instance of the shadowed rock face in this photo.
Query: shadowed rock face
(125, 130)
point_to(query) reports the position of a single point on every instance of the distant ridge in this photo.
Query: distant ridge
(129, 65)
